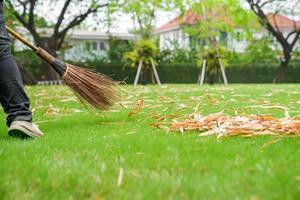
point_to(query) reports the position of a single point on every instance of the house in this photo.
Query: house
(173, 31)
(84, 45)
(81, 45)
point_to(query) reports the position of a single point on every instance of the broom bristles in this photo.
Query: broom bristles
(92, 88)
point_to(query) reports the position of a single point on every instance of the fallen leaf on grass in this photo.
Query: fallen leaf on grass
(267, 95)
(131, 133)
(269, 107)
(271, 142)
(120, 177)
(69, 99)
(222, 125)
(113, 123)
(51, 110)
(254, 198)
(138, 108)
(164, 117)
(286, 110)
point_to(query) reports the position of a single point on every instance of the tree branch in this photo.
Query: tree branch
(31, 14)
(78, 19)
(61, 16)
(265, 3)
(290, 34)
(24, 5)
(295, 40)
(275, 22)
(263, 20)
(29, 25)
(16, 14)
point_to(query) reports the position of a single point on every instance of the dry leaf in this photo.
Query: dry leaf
(51, 110)
(138, 108)
(120, 178)
(222, 125)
(271, 142)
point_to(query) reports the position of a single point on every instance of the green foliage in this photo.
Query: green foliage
(132, 58)
(215, 20)
(217, 16)
(29, 61)
(10, 18)
(117, 48)
(261, 50)
(177, 55)
(188, 73)
(258, 50)
(212, 64)
(40, 20)
(144, 50)
(143, 13)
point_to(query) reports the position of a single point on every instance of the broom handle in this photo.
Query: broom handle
(22, 39)
(38, 50)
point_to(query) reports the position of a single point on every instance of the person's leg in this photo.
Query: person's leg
(12, 95)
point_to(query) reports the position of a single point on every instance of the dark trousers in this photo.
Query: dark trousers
(12, 95)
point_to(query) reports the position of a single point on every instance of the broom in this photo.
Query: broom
(92, 88)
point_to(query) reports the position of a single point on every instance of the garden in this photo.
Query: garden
(118, 154)
(195, 100)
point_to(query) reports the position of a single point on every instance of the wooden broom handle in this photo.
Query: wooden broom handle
(38, 50)
(22, 39)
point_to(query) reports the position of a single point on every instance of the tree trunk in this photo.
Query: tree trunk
(27, 77)
(153, 81)
(281, 72)
(211, 78)
(283, 67)
(48, 73)
(143, 79)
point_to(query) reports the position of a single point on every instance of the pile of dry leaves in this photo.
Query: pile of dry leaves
(222, 125)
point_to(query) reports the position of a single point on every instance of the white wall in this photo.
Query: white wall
(86, 50)
(168, 39)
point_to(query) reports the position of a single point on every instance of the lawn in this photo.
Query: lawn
(108, 155)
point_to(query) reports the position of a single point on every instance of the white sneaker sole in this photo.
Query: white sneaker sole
(23, 132)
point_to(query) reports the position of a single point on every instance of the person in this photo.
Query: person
(13, 98)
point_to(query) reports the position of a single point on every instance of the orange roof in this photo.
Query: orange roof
(188, 18)
(282, 22)
(191, 18)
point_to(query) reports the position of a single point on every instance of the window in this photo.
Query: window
(95, 46)
(102, 46)
(98, 46)
(224, 38)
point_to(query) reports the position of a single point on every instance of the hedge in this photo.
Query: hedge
(188, 73)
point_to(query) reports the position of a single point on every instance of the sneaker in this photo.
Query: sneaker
(23, 129)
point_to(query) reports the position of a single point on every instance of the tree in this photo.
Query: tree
(287, 40)
(72, 14)
(143, 55)
(143, 14)
(213, 21)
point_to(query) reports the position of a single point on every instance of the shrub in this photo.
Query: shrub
(188, 73)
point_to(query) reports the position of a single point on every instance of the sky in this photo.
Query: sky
(123, 22)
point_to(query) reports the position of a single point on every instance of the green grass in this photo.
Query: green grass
(82, 152)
